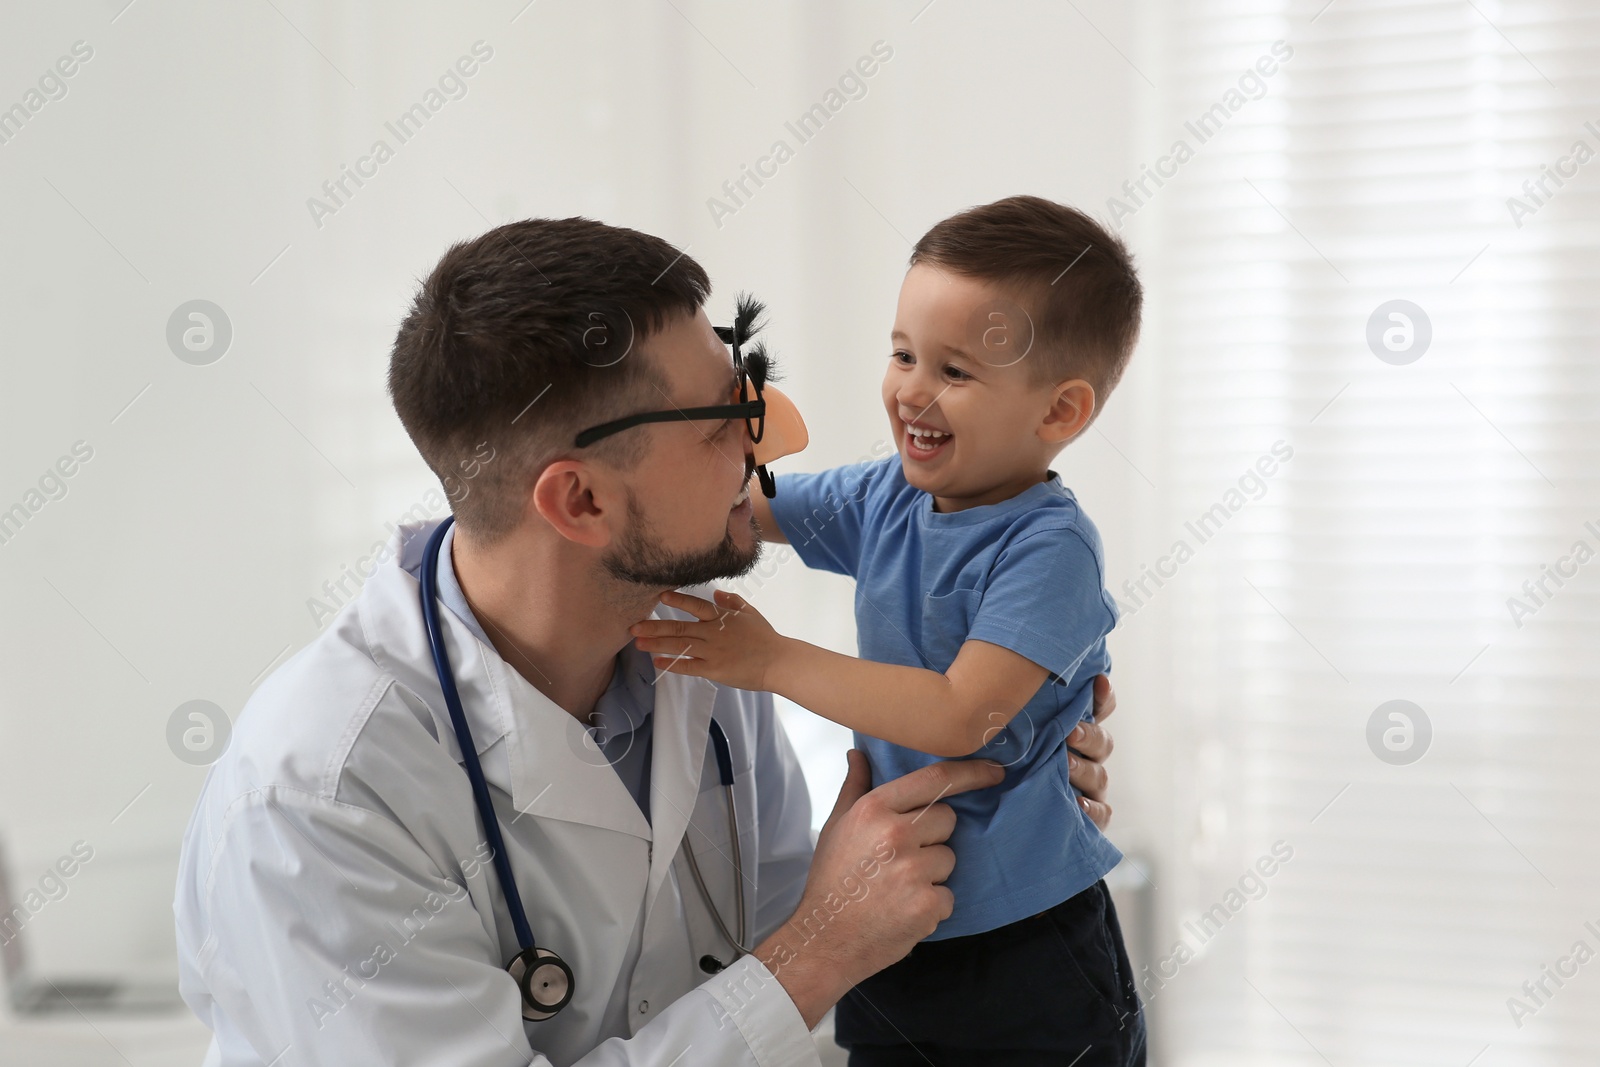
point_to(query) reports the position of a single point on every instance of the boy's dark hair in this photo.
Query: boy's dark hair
(1076, 280)
(524, 336)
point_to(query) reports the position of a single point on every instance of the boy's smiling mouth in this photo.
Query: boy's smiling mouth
(924, 442)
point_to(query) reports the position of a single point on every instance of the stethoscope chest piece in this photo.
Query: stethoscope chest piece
(546, 982)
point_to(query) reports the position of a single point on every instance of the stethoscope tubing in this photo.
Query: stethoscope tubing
(469, 751)
(724, 754)
(480, 786)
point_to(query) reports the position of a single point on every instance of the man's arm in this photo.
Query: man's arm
(295, 897)
(875, 886)
(326, 935)
(949, 714)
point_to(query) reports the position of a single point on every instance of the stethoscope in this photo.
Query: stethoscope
(545, 979)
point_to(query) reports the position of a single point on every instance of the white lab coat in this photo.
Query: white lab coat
(336, 903)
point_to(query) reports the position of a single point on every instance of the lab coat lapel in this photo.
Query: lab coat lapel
(555, 771)
(682, 717)
(391, 619)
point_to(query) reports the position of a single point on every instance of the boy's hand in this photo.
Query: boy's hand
(731, 643)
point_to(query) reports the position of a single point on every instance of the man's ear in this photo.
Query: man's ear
(1071, 408)
(564, 496)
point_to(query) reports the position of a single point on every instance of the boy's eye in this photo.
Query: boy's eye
(957, 373)
(903, 357)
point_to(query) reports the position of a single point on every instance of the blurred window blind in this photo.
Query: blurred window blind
(1384, 560)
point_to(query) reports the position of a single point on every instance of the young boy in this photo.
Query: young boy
(982, 615)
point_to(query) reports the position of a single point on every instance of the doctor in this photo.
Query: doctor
(340, 899)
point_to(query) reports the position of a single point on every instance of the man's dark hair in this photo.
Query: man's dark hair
(1076, 280)
(524, 336)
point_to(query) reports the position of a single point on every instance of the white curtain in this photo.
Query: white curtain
(1348, 880)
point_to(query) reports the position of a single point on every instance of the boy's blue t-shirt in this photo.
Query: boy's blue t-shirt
(1026, 574)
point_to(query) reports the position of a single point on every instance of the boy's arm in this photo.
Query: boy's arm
(950, 714)
(826, 516)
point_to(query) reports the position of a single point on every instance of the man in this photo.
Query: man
(337, 901)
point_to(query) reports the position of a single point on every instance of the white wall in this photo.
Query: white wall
(219, 497)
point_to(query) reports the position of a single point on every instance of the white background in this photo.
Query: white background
(1375, 566)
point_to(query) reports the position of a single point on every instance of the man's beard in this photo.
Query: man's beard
(640, 560)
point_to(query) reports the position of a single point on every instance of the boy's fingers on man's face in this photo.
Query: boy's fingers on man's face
(704, 610)
(659, 628)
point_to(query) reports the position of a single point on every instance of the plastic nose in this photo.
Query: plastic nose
(783, 431)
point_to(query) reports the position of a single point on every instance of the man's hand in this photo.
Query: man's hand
(875, 886)
(731, 644)
(1090, 745)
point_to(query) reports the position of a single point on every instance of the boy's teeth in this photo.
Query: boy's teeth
(924, 440)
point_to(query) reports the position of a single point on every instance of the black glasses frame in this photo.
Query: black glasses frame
(752, 411)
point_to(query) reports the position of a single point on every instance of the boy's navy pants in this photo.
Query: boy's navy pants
(1055, 988)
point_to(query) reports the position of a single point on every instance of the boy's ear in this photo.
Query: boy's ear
(1071, 408)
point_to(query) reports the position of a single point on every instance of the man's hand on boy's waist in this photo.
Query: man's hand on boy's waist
(1090, 745)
